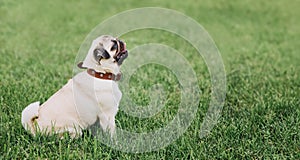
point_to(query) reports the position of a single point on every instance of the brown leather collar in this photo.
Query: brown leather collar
(106, 76)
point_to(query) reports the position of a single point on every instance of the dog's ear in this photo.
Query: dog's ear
(100, 53)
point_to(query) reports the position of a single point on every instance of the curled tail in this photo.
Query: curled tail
(29, 114)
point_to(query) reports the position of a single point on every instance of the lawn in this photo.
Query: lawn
(258, 41)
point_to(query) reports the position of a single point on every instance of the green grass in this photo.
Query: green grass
(259, 43)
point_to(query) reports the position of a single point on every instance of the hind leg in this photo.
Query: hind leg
(72, 131)
(47, 127)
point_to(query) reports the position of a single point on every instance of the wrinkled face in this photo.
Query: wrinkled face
(110, 49)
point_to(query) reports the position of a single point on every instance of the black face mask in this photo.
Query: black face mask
(121, 52)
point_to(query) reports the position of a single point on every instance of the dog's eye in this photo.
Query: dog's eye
(114, 47)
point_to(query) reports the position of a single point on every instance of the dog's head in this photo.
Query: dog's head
(106, 54)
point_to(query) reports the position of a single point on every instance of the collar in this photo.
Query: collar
(106, 76)
(100, 75)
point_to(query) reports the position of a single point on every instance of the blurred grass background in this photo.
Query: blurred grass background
(259, 44)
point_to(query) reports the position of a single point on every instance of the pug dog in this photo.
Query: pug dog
(90, 96)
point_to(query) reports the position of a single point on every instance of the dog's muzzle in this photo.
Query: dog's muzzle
(121, 52)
